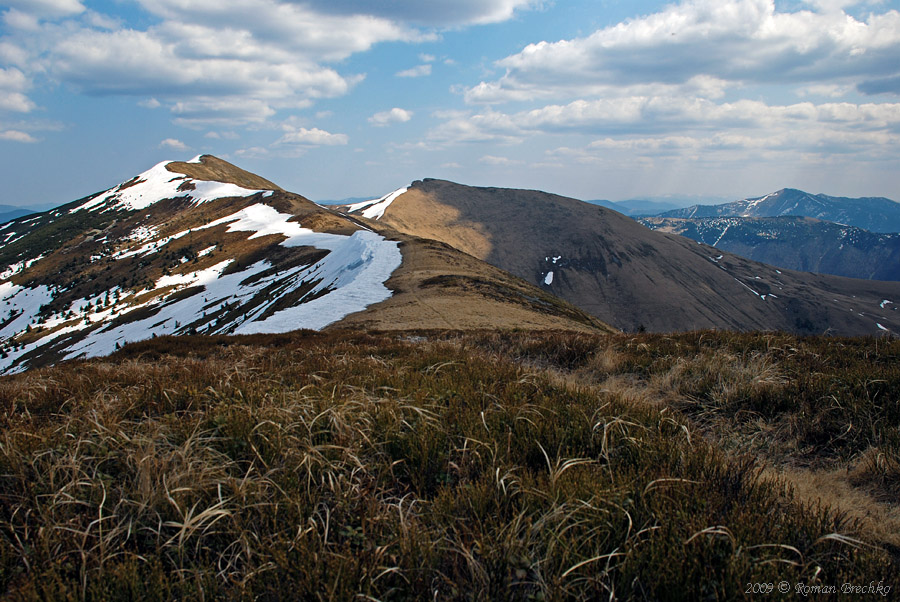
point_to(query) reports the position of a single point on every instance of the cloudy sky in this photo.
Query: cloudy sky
(332, 99)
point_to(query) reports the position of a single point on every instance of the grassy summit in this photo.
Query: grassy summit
(479, 466)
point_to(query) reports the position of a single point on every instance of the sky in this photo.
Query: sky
(333, 99)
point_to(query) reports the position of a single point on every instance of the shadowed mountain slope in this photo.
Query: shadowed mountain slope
(625, 274)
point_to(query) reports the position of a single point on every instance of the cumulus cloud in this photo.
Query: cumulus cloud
(13, 83)
(395, 115)
(312, 137)
(668, 114)
(499, 161)
(174, 144)
(735, 41)
(208, 62)
(202, 59)
(222, 135)
(654, 123)
(17, 136)
(435, 13)
(47, 8)
(417, 71)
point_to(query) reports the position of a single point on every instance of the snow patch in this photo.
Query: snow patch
(18, 267)
(720, 237)
(159, 183)
(886, 302)
(374, 209)
(548, 279)
(882, 327)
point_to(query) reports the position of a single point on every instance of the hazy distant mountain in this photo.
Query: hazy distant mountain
(8, 212)
(347, 201)
(625, 274)
(876, 214)
(205, 247)
(637, 207)
(798, 243)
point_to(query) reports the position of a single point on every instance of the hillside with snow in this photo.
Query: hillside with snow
(166, 254)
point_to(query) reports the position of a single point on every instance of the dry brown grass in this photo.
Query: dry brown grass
(429, 465)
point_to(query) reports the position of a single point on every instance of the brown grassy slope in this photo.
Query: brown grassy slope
(334, 466)
(213, 169)
(617, 270)
(438, 286)
(822, 413)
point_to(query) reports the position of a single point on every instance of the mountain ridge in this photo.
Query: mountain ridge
(797, 243)
(624, 274)
(876, 214)
(168, 252)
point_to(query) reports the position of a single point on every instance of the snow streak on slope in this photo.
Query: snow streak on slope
(345, 277)
(375, 209)
(159, 183)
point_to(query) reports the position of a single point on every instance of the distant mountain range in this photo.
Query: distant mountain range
(792, 229)
(8, 212)
(637, 207)
(876, 214)
(798, 243)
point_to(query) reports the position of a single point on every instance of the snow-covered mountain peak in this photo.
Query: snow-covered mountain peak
(159, 182)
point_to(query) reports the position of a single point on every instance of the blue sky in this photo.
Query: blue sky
(331, 99)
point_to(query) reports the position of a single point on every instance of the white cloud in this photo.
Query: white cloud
(174, 144)
(500, 161)
(222, 135)
(254, 152)
(437, 13)
(150, 103)
(427, 58)
(417, 71)
(301, 30)
(663, 114)
(229, 111)
(26, 22)
(735, 41)
(313, 137)
(12, 85)
(395, 115)
(17, 136)
(47, 8)
(211, 63)
(828, 90)
(662, 124)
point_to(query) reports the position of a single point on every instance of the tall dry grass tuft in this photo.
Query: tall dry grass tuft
(339, 466)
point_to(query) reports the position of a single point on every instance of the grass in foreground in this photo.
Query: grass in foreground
(346, 466)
